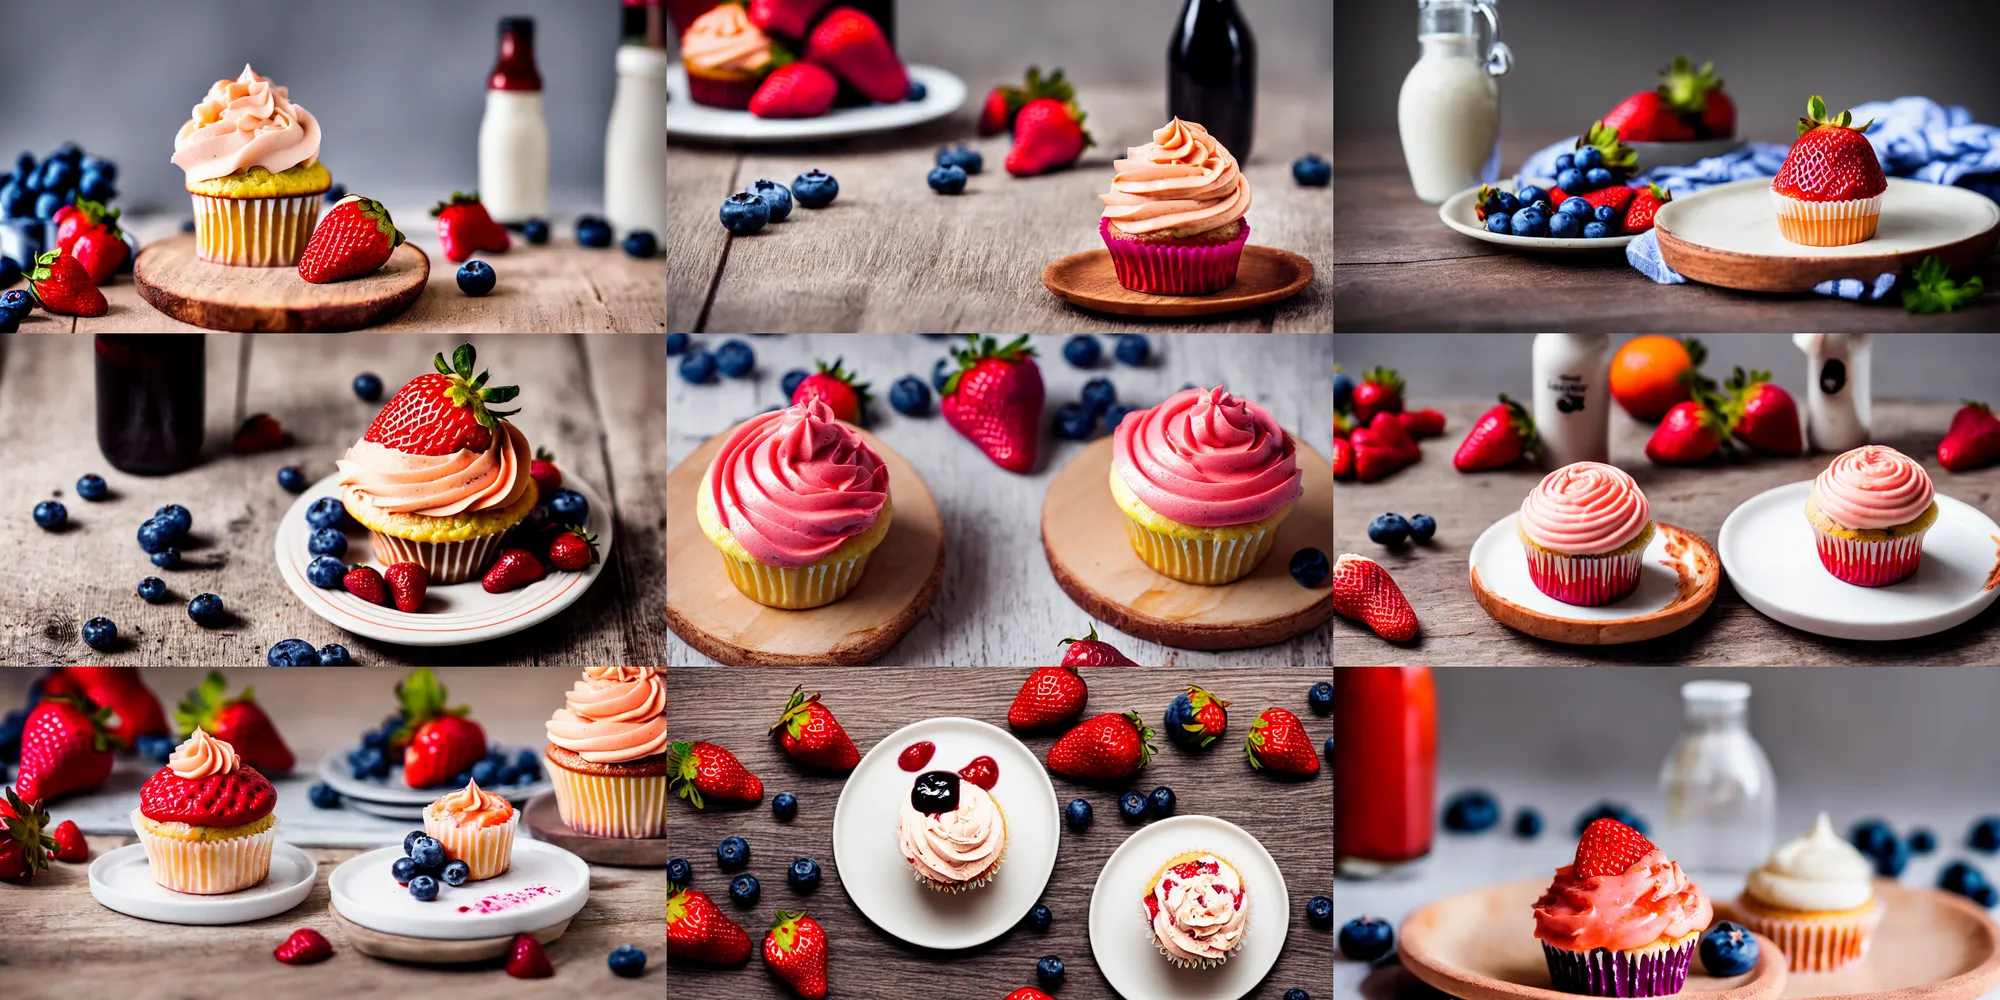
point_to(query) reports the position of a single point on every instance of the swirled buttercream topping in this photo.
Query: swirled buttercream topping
(1183, 181)
(474, 806)
(956, 846)
(1873, 487)
(1648, 902)
(1207, 458)
(438, 485)
(1818, 871)
(614, 714)
(1585, 508)
(1197, 910)
(243, 123)
(724, 38)
(793, 484)
(202, 756)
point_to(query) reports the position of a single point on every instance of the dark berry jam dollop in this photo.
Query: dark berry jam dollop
(935, 792)
(915, 756)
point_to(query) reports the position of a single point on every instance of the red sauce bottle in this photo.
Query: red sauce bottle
(1384, 767)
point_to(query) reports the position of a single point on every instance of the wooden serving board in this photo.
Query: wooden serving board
(1084, 537)
(1931, 945)
(710, 614)
(1265, 275)
(1698, 576)
(273, 299)
(542, 817)
(433, 951)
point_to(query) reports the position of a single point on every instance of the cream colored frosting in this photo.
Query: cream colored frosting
(1818, 871)
(243, 123)
(613, 715)
(1201, 919)
(958, 846)
(202, 756)
(725, 39)
(438, 485)
(471, 806)
(1183, 182)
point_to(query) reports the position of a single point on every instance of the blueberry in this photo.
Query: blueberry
(1610, 810)
(680, 871)
(374, 764)
(423, 888)
(293, 480)
(334, 654)
(1132, 349)
(529, 763)
(626, 962)
(1986, 896)
(815, 189)
(917, 91)
(1527, 823)
(1310, 568)
(1297, 993)
(1727, 949)
(1132, 806)
(1509, 203)
(1077, 815)
(1530, 222)
(1083, 351)
(776, 195)
(484, 772)
(948, 179)
(1570, 180)
(1098, 395)
(1319, 912)
(593, 231)
(1596, 230)
(154, 535)
(1365, 939)
(790, 383)
(1312, 170)
(179, 521)
(292, 653)
(47, 204)
(403, 869)
(1541, 205)
(1160, 804)
(507, 776)
(326, 542)
(410, 839)
(100, 633)
(641, 243)
(1922, 841)
(1563, 226)
(570, 507)
(1577, 207)
(941, 372)
(536, 231)
(51, 514)
(325, 572)
(153, 590)
(187, 225)
(1564, 161)
(803, 875)
(1530, 193)
(456, 872)
(732, 853)
(1074, 421)
(1388, 529)
(698, 366)
(1471, 812)
(1985, 835)
(784, 806)
(1870, 836)
(90, 486)
(476, 278)
(167, 558)
(1891, 862)
(326, 512)
(1588, 157)
(744, 213)
(1961, 878)
(910, 397)
(1116, 415)
(677, 343)
(1049, 972)
(428, 853)
(323, 796)
(206, 610)
(735, 359)
(1319, 698)
(960, 156)
(1598, 177)
(335, 193)
(744, 890)
(1498, 223)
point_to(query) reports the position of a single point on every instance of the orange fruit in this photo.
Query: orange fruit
(1651, 373)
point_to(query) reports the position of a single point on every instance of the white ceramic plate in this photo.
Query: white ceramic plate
(1739, 218)
(544, 886)
(1767, 549)
(882, 885)
(1460, 212)
(123, 881)
(1680, 154)
(392, 792)
(452, 615)
(688, 120)
(407, 814)
(1122, 942)
(1503, 567)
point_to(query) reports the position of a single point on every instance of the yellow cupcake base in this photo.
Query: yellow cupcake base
(813, 585)
(207, 861)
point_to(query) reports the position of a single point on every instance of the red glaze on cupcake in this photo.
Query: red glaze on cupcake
(206, 784)
(1621, 894)
(1585, 508)
(1207, 458)
(794, 484)
(1873, 487)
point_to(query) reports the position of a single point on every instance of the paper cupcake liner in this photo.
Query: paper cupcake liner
(1870, 564)
(487, 850)
(207, 867)
(1584, 581)
(1820, 945)
(1193, 560)
(1169, 269)
(1827, 223)
(730, 95)
(601, 805)
(1606, 973)
(446, 562)
(810, 586)
(254, 232)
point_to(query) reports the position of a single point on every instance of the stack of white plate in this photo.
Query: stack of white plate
(391, 798)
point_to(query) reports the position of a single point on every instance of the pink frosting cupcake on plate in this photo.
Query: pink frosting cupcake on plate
(1869, 511)
(1173, 219)
(1585, 528)
(1198, 910)
(726, 57)
(251, 159)
(952, 832)
(1622, 920)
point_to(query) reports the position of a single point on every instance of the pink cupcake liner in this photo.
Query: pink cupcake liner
(1606, 973)
(1870, 564)
(1163, 269)
(1584, 581)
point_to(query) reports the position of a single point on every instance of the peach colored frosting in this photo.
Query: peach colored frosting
(1207, 458)
(725, 39)
(793, 484)
(958, 846)
(1873, 487)
(202, 756)
(1202, 918)
(472, 806)
(438, 485)
(1183, 180)
(1649, 902)
(1585, 508)
(243, 123)
(613, 714)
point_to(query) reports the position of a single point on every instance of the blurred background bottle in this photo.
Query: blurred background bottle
(1384, 768)
(635, 140)
(1721, 796)
(1448, 112)
(514, 134)
(1212, 73)
(150, 400)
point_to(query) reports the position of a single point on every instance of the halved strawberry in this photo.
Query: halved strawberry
(1609, 847)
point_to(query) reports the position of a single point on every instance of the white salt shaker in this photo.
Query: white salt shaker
(1572, 397)
(1838, 394)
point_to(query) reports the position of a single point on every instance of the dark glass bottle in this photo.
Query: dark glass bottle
(514, 68)
(150, 397)
(1212, 73)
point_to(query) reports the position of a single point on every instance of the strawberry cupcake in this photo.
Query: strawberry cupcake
(1204, 479)
(608, 753)
(1869, 512)
(476, 827)
(1828, 193)
(796, 502)
(206, 821)
(251, 161)
(1622, 920)
(1815, 899)
(1173, 219)
(726, 57)
(952, 832)
(1585, 528)
(1197, 910)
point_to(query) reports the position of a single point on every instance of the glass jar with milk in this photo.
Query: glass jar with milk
(1449, 110)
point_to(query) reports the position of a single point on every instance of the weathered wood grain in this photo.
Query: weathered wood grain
(1294, 820)
(174, 279)
(998, 603)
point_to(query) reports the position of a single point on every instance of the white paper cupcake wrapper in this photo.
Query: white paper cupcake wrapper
(600, 805)
(487, 850)
(254, 232)
(445, 562)
(207, 867)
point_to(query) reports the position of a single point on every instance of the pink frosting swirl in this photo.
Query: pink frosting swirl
(438, 485)
(1199, 917)
(1207, 458)
(1182, 181)
(472, 806)
(614, 714)
(1873, 487)
(244, 123)
(958, 846)
(202, 756)
(793, 484)
(1585, 508)
(724, 38)
(1649, 902)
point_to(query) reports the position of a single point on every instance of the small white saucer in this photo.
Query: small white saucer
(1768, 551)
(1678, 578)
(881, 883)
(1459, 212)
(1122, 942)
(553, 885)
(123, 881)
(688, 120)
(392, 792)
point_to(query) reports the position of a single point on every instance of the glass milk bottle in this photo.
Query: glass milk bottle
(1449, 111)
(514, 136)
(1839, 393)
(1721, 796)
(635, 140)
(1572, 398)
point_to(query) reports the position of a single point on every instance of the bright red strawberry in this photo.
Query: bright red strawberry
(527, 960)
(1618, 196)
(305, 947)
(572, 548)
(1049, 696)
(1379, 391)
(135, 712)
(1832, 159)
(1387, 430)
(1090, 651)
(259, 433)
(1973, 441)
(237, 721)
(1102, 747)
(837, 388)
(704, 772)
(1763, 415)
(408, 583)
(1425, 423)
(1028, 993)
(1341, 426)
(514, 569)
(789, 17)
(465, 228)
(72, 220)
(995, 400)
(438, 740)
(1608, 848)
(1373, 461)
(1363, 591)
(1196, 719)
(70, 845)
(1343, 458)
(698, 931)
(442, 412)
(101, 250)
(1048, 135)
(1648, 117)
(852, 45)
(1278, 742)
(366, 583)
(1003, 104)
(1689, 433)
(1698, 93)
(548, 478)
(1498, 439)
(795, 952)
(63, 286)
(355, 238)
(1646, 202)
(795, 90)
(809, 734)
(25, 847)
(66, 747)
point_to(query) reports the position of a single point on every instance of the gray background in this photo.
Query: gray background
(398, 86)
(1575, 59)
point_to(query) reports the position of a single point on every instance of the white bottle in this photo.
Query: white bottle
(635, 141)
(1839, 396)
(514, 135)
(1572, 399)
(1449, 108)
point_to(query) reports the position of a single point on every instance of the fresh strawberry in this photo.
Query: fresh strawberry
(515, 568)
(698, 931)
(366, 583)
(259, 433)
(527, 960)
(1373, 461)
(1620, 159)
(701, 772)
(837, 388)
(135, 711)
(63, 286)
(1342, 426)
(443, 412)
(795, 90)
(1718, 119)
(808, 733)
(1090, 651)
(70, 846)
(1973, 441)
(408, 583)
(237, 721)
(1196, 719)
(548, 479)
(1690, 432)
(66, 747)
(305, 947)
(1048, 135)
(438, 740)
(72, 220)
(1646, 202)
(1618, 196)
(995, 400)
(1028, 993)
(1379, 391)
(465, 228)
(1363, 591)
(795, 952)
(101, 250)
(1004, 104)
(1278, 742)
(1609, 848)
(1831, 161)
(1343, 458)
(1648, 117)
(1425, 423)
(1697, 93)
(1387, 431)
(1049, 696)
(24, 846)
(355, 238)
(789, 17)
(1102, 747)
(572, 548)
(1763, 415)
(852, 45)
(1498, 439)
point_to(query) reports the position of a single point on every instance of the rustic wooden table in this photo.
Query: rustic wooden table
(1400, 268)
(596, 402)
(998, 603)
(891, 255)
(62, 943)
(1293, 820)
(1457, 632)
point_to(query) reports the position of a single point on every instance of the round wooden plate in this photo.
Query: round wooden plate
(273, 299)
(1480, 945)
(1678, 578)
(542, 817)
(1931, 945)
(1265, 275)
(1460, 212)
(1727, 235)
(1083, 534)
(426, 951)
(710, 614)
